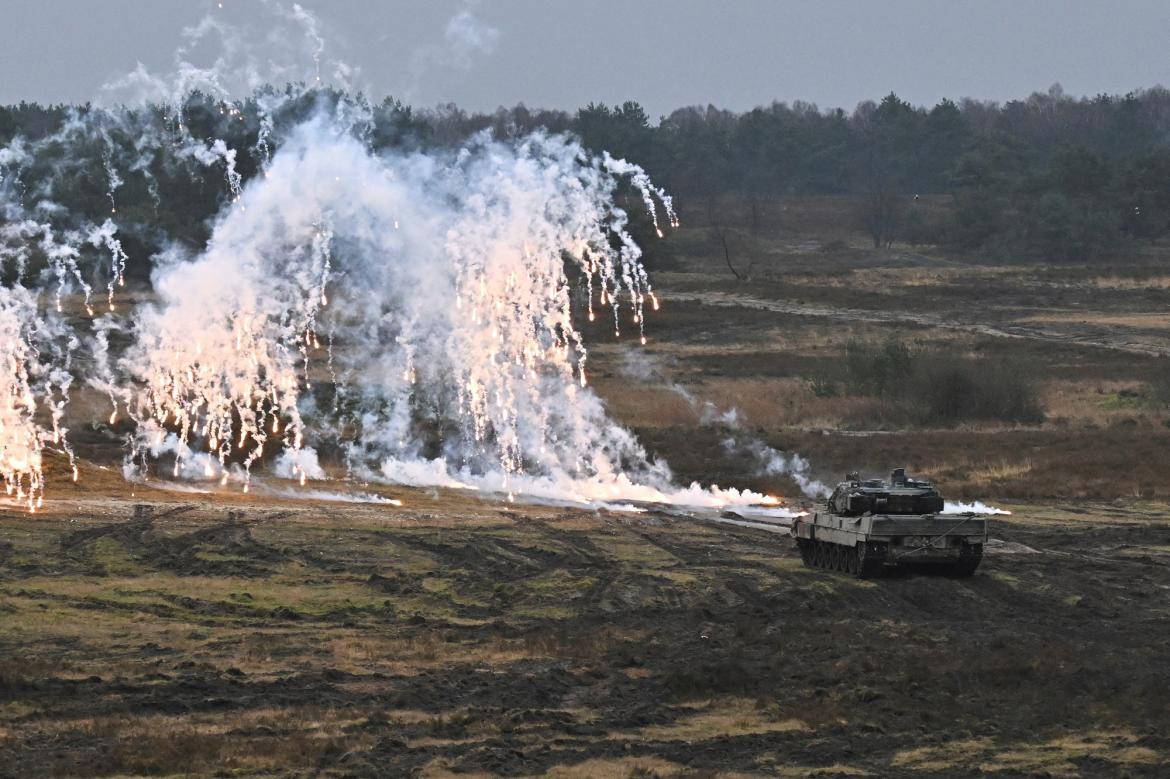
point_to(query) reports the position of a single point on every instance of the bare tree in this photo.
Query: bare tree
(723, 234)
(881, 212)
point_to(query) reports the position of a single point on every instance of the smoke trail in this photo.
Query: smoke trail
(978, 507)
(776, 463)
(769, 461)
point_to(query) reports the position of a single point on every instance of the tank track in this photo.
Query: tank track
(867, 560)
(969, 559)
(864, 561)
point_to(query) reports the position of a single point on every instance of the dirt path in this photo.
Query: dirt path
(1122, 342)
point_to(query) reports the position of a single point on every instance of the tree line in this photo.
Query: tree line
(1050, 176)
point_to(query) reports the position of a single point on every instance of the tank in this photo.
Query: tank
(868, 525)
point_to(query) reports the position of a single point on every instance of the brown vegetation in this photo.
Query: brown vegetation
(954, 367)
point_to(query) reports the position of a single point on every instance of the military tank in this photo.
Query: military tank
(870, 524)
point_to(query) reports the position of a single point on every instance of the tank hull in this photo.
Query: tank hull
(865, 545)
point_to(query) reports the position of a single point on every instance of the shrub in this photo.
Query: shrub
(949, 390)
(935, 388)
(1159, 384)
(877, 371)
(822, 387)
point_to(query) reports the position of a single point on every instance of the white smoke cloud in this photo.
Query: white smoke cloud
(468, 36)
(641, 365)
(452, 305)
(420, 472)
(457, 361)
(228, 61)
(453, 295)
(466, 39)
(978, 507)
(327, 495)
(298, 463)
(187, 463)
(48, 252)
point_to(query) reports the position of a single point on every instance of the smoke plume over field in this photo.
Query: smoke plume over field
(414, 312)
(430, 293)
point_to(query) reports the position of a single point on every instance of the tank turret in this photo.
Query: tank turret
(900, 495)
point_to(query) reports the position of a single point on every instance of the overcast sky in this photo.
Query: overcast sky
(662, 53)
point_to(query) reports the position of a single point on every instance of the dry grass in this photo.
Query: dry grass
(620, 768)
(982, 474)
(786, 403)
(768, 403)
(1132, 282)
(302, 693)
(724, 717)
(1138, 321)
(1049, 758)
(941, 758)
(1101, 403)
(252, 740)
(198, 751)
(307, 599)
(885, 279)
(644, 406)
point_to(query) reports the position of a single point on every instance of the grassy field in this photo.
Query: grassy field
(452, 636)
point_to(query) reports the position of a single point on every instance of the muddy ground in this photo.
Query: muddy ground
(457, 636)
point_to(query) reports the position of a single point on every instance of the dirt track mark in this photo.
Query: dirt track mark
(587, 556)
(179, 554)
(746, 588)
(925, 320)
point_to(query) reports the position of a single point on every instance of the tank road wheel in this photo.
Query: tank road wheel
(854, 558)
(969, 558)
(819, 554)
(870, 558)
(834, 557)
(806, 552)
